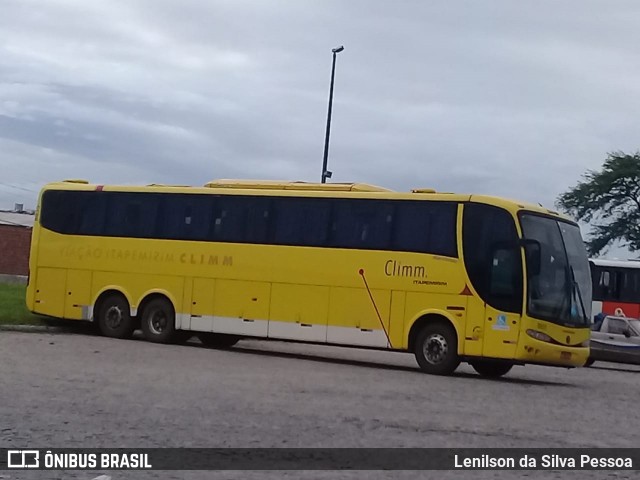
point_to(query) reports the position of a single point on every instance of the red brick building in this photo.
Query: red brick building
(15, 242)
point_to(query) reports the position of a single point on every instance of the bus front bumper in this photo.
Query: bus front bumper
(536, 351)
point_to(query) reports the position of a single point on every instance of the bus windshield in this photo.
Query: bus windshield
(559, 289)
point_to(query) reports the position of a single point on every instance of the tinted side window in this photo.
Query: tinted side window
(428, 227)
(604, 283)
(259, 213)
(611, 283)
(629, 285)
(132, 215)
(92, 213)
(186, 216)
(504, 288)
(596, 281)
(240, 219)
(229, 219)
(301, 221)
(492, 256)
(413, 226)
(612, 291)
(59, 211)
(365, 224)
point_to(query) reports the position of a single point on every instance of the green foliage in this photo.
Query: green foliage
(13, 310)
(610, 200)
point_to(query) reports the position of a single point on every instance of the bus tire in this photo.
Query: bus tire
(114, 317)
(158, 321)
(218, 340)
(490, 368)
(436, 349)
(590, 361)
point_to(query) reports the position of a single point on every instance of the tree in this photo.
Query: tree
(609, 199)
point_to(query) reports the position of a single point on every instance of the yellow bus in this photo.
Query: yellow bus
(449, 277)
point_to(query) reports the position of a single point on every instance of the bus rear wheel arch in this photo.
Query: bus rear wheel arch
(435, 345)
(113, 315)
(158, 319)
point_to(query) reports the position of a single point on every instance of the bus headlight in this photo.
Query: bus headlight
(543, 337)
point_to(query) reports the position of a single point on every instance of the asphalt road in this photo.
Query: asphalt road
(73, 390)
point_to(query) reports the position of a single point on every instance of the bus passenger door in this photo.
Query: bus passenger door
(501, 331)
(504, 302)
(474, 326)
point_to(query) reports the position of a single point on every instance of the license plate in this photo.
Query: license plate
(565, 355)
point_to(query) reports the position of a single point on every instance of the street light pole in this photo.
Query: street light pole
(326, 173)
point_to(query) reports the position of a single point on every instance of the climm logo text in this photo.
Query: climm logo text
(395, 268)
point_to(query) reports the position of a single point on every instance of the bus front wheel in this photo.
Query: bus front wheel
(158, 321)
(436, 349)
(491, 369)
(114, 317)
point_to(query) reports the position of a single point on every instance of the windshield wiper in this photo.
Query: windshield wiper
(576, 287)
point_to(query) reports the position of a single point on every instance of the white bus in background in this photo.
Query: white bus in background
(616, 287)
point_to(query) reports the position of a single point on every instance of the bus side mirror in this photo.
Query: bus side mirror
(533, 253)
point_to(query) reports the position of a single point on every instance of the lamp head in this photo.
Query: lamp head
(338, 49)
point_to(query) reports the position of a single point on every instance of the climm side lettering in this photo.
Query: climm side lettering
(395, 268)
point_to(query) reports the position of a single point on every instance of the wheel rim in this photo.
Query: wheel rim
(113, 317)
(158, 322)
(435, 348)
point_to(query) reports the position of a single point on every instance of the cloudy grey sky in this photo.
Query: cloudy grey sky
(513, 98)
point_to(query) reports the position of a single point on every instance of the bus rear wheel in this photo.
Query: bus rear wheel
(436, 349)
(218, 340)
(158, 321)
(114, 317)
(491, 369)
